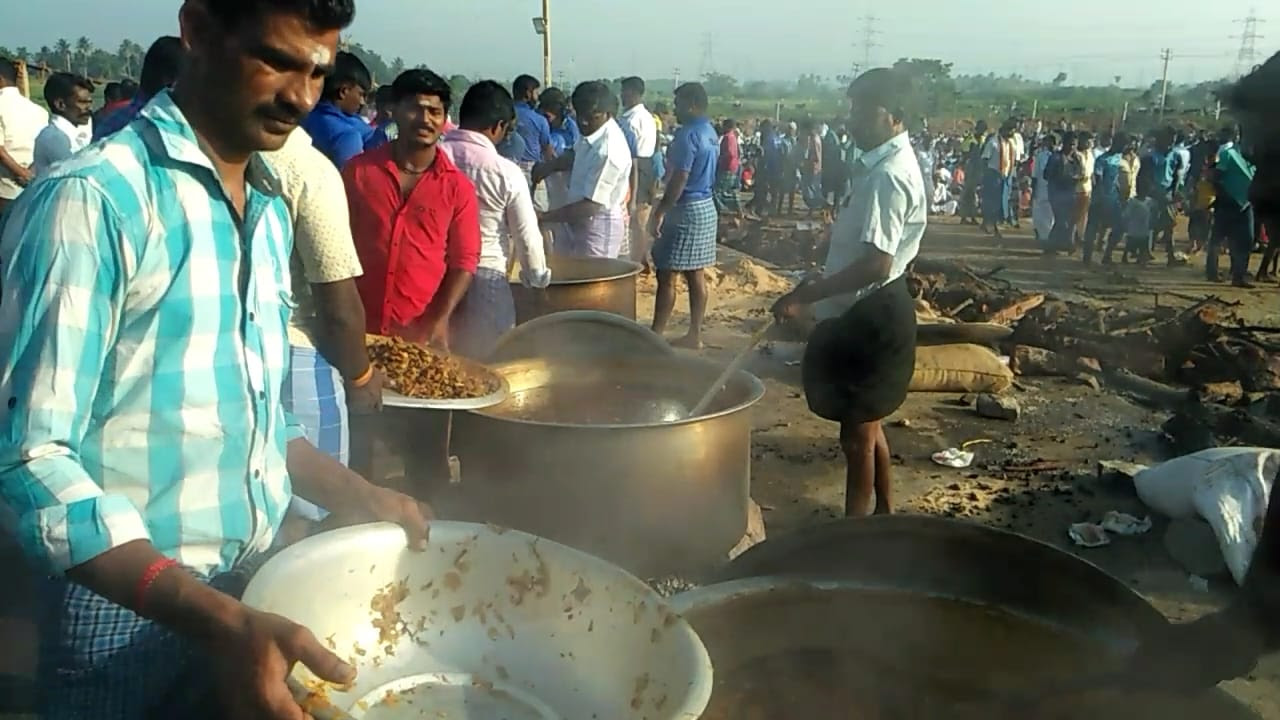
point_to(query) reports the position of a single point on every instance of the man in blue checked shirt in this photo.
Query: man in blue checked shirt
(145, 454)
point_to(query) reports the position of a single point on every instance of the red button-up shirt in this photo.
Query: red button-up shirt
(407, 244)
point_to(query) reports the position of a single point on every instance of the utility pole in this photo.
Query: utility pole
(676, 75)
(1247, 57)
(869, 33)
(546, 43)
(1165, 56)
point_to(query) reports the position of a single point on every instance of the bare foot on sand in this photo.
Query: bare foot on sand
(688, 342)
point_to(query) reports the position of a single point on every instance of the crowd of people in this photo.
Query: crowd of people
(188, 274)
(1094, 193)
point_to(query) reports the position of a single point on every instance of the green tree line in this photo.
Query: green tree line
(935, 94)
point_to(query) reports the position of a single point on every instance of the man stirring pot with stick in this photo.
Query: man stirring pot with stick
(143, 347)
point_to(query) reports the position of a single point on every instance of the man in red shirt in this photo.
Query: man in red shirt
(414, 218)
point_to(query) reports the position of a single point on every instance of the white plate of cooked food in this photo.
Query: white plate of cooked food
(425, 378)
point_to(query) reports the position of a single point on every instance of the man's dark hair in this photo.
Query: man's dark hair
(347, 70)
(63, 86)
(8, 71)
(161, 65)
(695, 94)
(1083, 135)
(111, 93)
(321, 14)
(383, 96)
(524, 85)
(552, 100)
(486, 104)
(421, 81)
(592, 97)
(552, 95)
(633, 84)
(882, 87)
(128, 89)
(729, 124)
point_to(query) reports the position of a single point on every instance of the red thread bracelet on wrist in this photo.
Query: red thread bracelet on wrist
(149, 577)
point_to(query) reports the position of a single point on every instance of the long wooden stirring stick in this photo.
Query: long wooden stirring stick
(733, 367)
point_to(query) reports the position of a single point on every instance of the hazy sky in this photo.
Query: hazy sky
(1093, 42)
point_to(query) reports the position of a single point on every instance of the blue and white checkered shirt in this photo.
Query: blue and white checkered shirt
(143, 350)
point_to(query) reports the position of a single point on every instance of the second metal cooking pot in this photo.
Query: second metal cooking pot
(580, 452)
(581, 283)
(879, 589)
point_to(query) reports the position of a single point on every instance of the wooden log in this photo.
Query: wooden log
(1011, 314)
(1150, 392)
(1039, 362)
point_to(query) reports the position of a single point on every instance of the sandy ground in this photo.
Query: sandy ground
(797, 475)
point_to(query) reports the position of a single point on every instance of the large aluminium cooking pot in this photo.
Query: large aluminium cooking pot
(581, 283)
(597, 453)
(917, 613)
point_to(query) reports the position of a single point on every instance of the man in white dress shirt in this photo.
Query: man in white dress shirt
(70, 101)
(644, 182)
(508, 222)
(20, 122)
(599, 178)
(859, 360)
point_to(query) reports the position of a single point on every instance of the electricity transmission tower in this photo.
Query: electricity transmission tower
(708, 55)
(869, 34)
(1247, 57)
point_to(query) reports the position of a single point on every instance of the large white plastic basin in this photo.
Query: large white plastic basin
(496, 624)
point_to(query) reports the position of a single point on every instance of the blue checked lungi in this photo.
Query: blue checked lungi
(600, 235)
(316, 397)
(486, 312)
(688, 240)
(100, 661)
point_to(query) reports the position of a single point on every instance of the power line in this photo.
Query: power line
(1247, 57)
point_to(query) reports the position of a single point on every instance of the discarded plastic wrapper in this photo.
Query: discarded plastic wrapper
(1198, 583)
(1088, 535)
(953, 458)
(1125, 524)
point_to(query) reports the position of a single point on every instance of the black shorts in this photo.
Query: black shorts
(857, 368)
(646, 181)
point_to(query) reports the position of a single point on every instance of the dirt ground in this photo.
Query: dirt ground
(797, 474)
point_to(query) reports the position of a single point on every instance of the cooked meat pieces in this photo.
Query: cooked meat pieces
(421, 372)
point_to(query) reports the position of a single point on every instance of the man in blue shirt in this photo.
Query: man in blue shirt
(686, 241)
(1104, 211)
(335, 126)
(530, 123)
(1163, 167)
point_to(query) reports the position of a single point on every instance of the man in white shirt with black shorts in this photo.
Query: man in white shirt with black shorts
(860, 357)
(644, 181)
